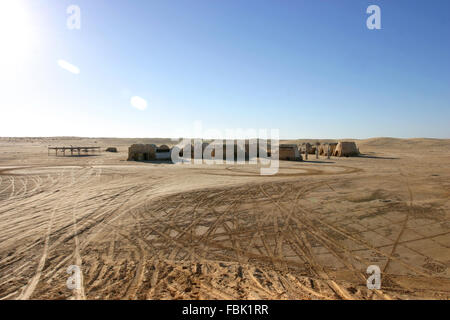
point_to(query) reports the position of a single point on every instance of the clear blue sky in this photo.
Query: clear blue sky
(310, 68)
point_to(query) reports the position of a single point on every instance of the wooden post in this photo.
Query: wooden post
(328, 151)
(306, 151)
(317, 151)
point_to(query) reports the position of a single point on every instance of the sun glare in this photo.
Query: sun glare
(15, 34)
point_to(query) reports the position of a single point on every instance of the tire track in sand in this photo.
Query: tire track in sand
(35, 280)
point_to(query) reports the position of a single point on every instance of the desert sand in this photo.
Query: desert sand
(164, 231)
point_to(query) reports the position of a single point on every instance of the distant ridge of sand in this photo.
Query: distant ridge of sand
(384, 142)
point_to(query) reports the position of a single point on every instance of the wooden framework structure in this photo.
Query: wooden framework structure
(72, 149)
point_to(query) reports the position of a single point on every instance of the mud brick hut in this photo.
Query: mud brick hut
(323, 148)
(289, 152)
(244, 150)
(163, 153)
(163, 148)
(142, 152)
(310, 148)
(346, 149)
(238, 149)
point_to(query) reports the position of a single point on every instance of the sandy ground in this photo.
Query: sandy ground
(161, 231)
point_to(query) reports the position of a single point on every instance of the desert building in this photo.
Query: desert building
(310, 148)
(323, 148)
(163, 153)
(238, 149)
(142, 152)
(163, 148)
(289, 152)
(245, 150)
(346, 149)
